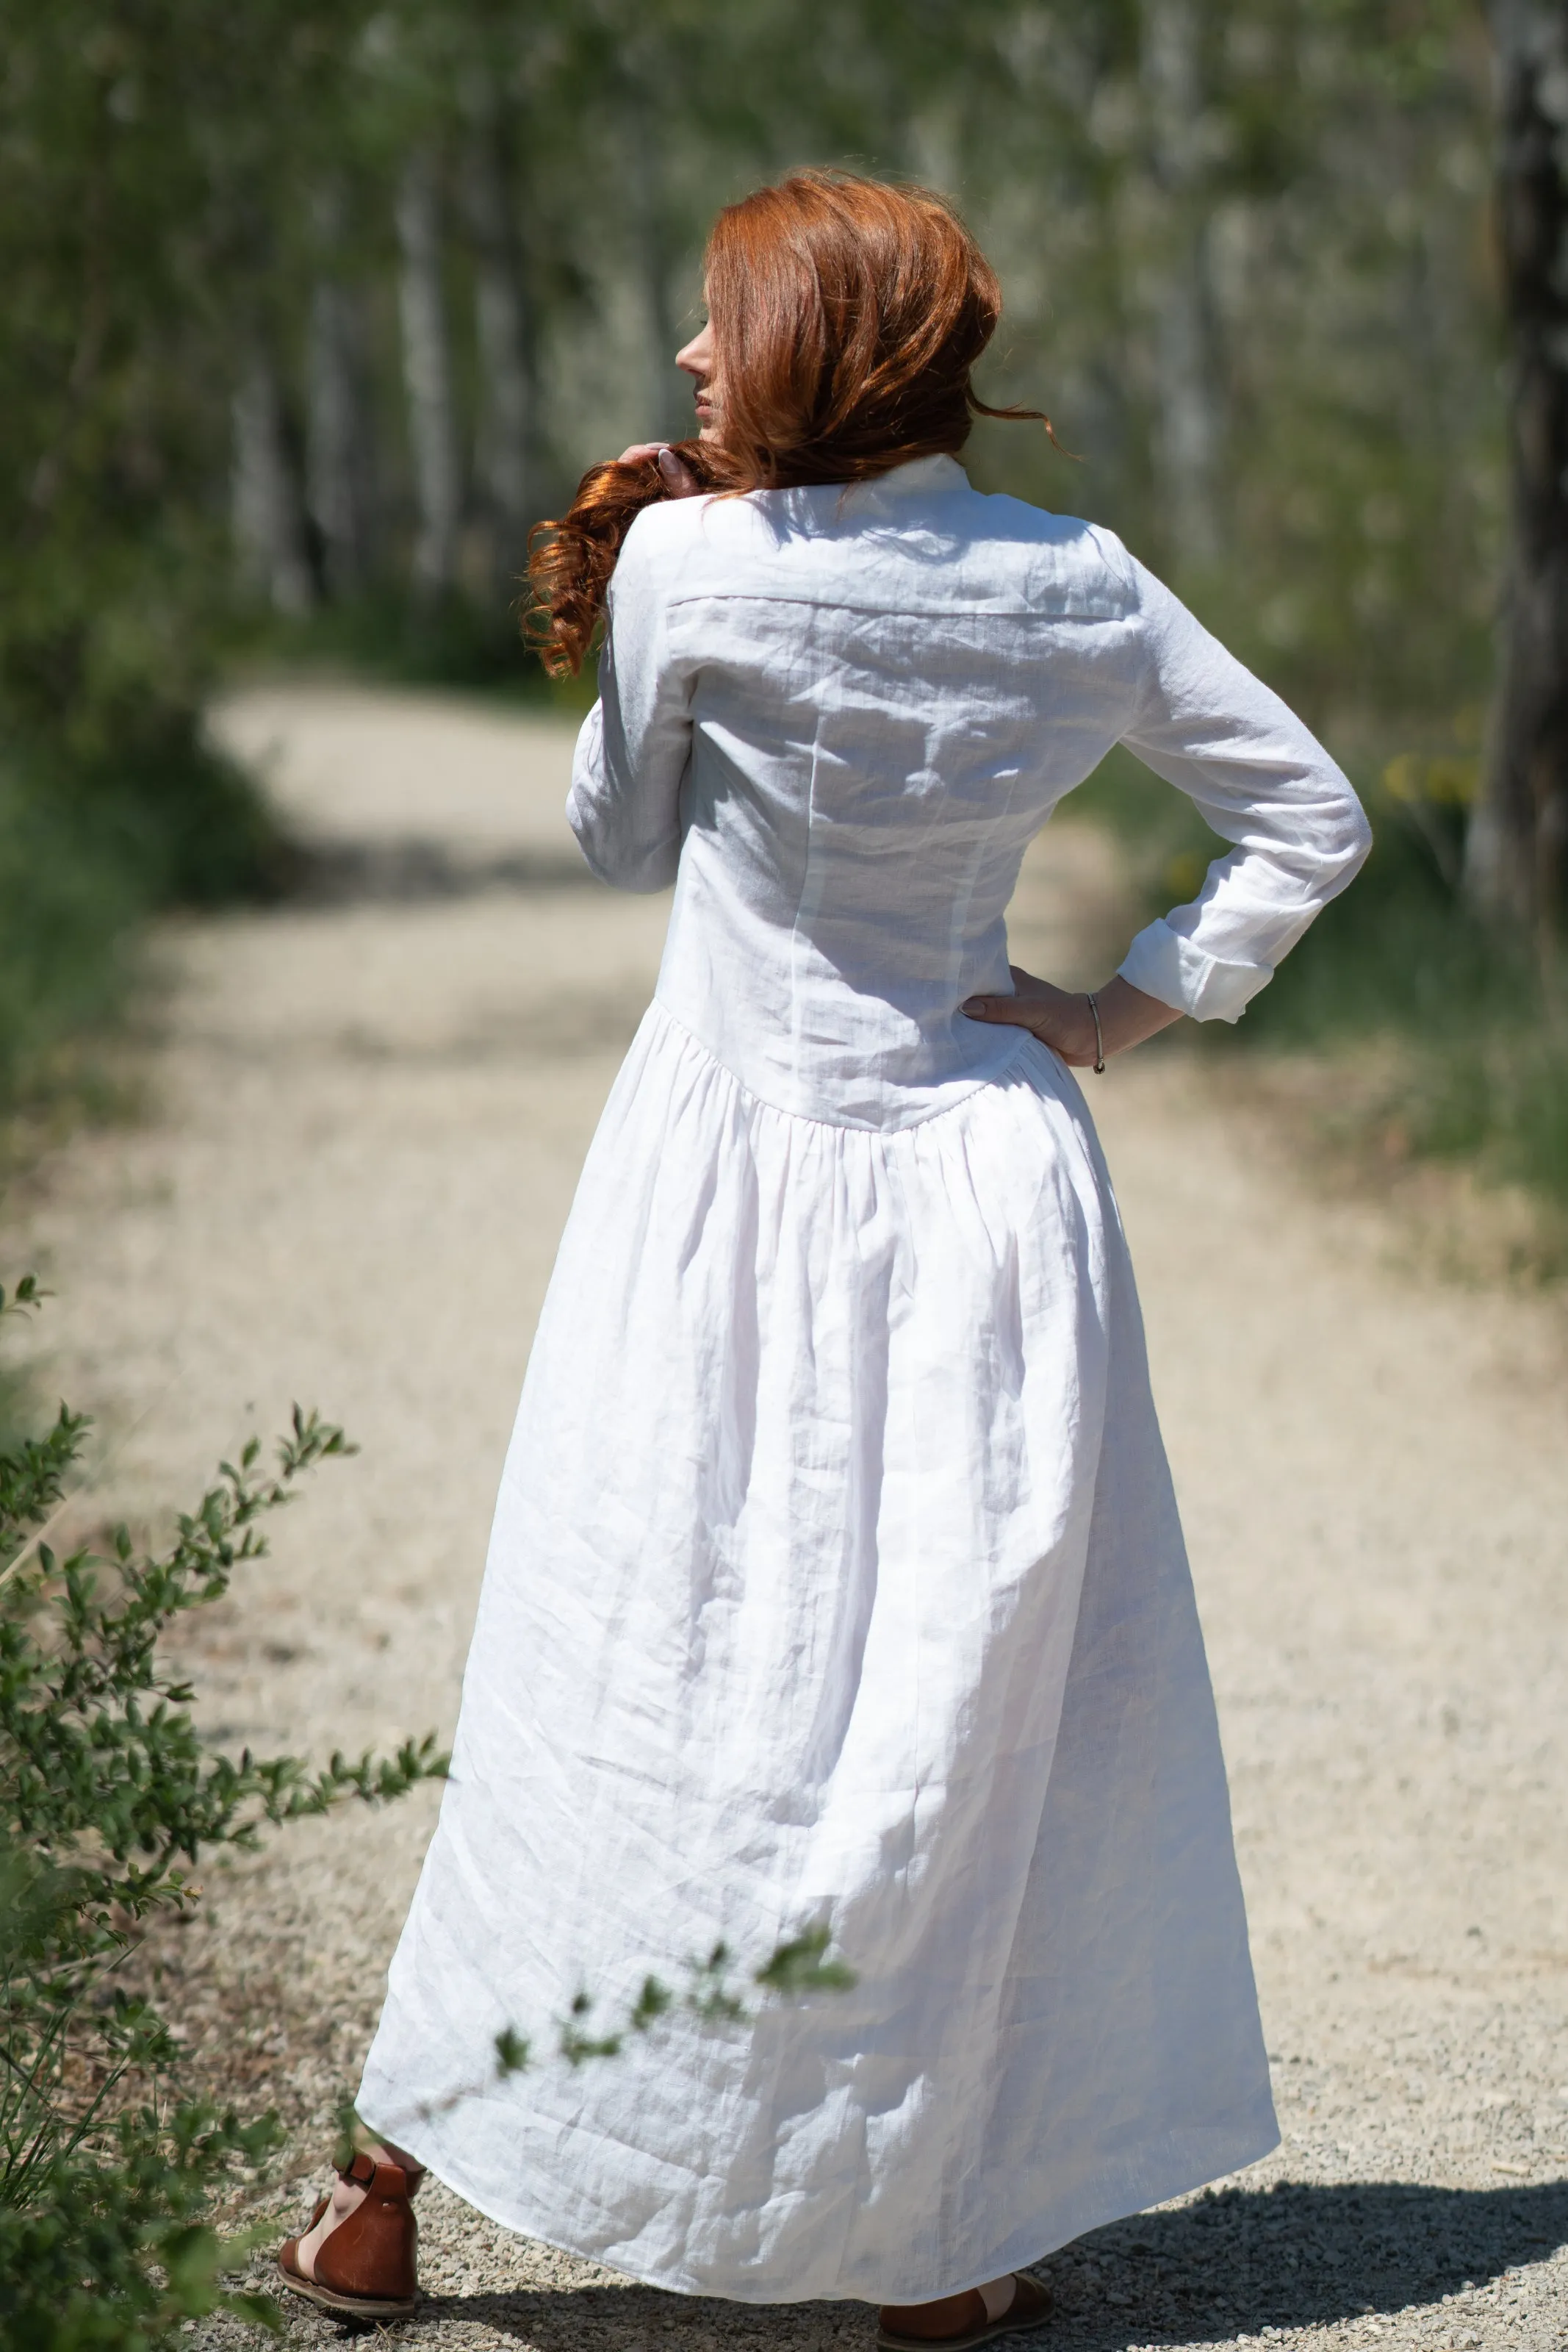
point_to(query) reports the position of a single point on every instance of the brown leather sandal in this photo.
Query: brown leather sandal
(954, 2322)
(366, 2268)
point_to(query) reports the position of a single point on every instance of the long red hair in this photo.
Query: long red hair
(847, 317)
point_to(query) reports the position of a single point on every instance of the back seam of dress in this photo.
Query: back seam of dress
(813, 881)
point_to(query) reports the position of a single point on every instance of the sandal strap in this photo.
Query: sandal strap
(390, 2180)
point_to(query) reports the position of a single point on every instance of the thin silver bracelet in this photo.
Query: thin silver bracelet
(1099, 1037)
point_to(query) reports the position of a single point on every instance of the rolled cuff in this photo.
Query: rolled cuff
(1164, 965)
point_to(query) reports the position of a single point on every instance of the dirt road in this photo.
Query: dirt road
(368, 1117)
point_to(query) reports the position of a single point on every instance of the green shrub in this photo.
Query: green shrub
(89, 849)
(1480, 1055)
(67, 916)
(109, 1799)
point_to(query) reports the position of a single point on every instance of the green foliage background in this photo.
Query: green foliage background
(1246, 252)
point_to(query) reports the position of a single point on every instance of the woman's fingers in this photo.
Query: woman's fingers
(678, 478)
(1031, 1003)
(1057, 1017)
(1013, 1010)
(1063, 1020)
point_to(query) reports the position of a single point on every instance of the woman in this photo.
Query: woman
(836, 1575)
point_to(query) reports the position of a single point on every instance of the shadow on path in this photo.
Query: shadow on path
(1230, 2265)
(416, 871)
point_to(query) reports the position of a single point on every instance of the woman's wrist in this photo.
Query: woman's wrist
(1128, 1016)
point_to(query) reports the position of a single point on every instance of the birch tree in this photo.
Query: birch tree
(268, 510)
(428, 380)
(340, 480)
(1518, 835)
(650, 106)
(502, 328)
(1187, 426)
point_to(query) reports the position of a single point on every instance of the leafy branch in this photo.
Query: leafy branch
(109, 1799)
(795, 1970)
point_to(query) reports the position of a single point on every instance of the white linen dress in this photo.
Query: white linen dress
(836, 1573)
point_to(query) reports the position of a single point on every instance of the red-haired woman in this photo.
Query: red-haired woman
(836, 1575)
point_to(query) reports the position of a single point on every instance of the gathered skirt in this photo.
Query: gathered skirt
(836, 1579)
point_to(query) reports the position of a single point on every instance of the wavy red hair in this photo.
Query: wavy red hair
(847, 318)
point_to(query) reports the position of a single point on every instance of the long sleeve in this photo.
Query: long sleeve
(1261, 781)
(635, 743)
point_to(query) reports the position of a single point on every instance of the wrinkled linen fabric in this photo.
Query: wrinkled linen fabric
(836, 1575)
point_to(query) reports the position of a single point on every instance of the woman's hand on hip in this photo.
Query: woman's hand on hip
(678, 478)
(1062, 1018)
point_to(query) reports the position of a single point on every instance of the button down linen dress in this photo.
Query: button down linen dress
(836, 1573)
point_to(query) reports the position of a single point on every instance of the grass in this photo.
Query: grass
(87, 854)
(69, 911)
(1472, 1051)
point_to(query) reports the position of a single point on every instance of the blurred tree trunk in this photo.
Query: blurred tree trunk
(339, 459)
(338, 478)
(428, 380)
(669, 399)
(669, 410)
(269, 526)
(502, 323)
(338, 486)
(1515, 856)
(1188, 424)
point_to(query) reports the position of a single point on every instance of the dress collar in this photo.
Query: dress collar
(920, 473)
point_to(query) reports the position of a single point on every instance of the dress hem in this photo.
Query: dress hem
(1125, 2189)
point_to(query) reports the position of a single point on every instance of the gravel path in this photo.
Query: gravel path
(370, 1114)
